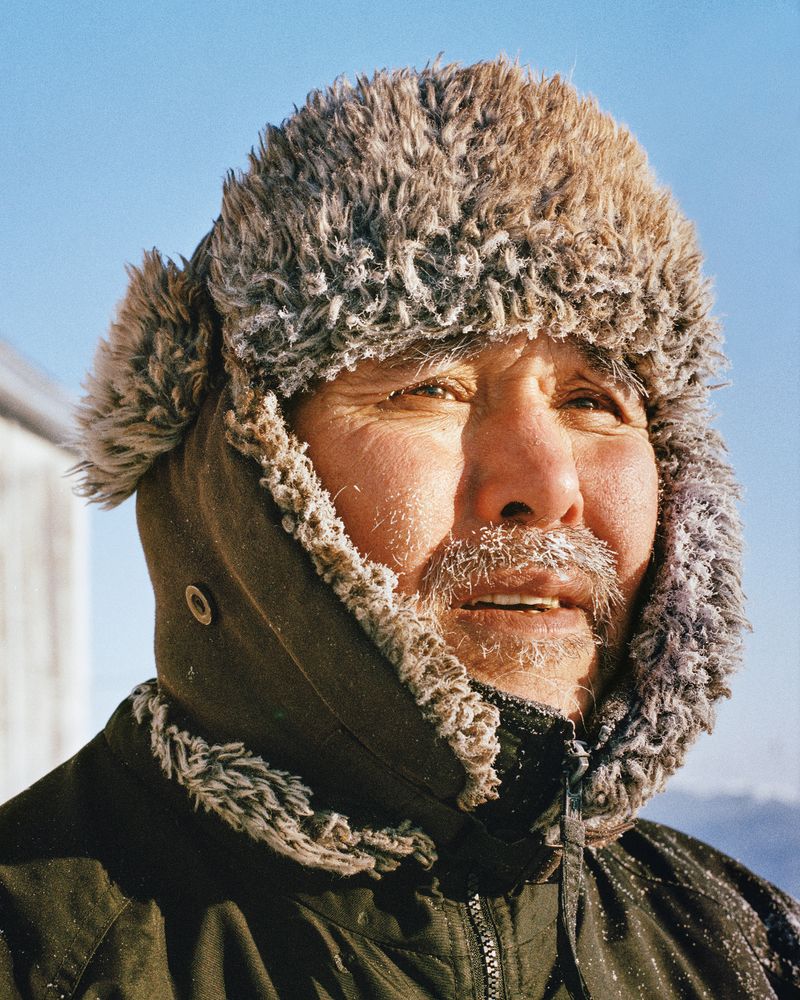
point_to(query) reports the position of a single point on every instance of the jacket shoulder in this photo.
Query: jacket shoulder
(666, 862)
(59, 901)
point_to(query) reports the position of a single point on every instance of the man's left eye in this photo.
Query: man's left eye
(592, 403)
(585, 403)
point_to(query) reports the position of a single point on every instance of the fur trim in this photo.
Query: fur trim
(474, 202)
(689, 639)
(437, 679)
(150, 377)
(271, 806)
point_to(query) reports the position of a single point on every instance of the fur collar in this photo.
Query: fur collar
(268, 805)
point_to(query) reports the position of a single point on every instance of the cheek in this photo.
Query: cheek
(620, 488)
(395, 494)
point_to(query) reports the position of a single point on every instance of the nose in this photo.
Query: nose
(524, 470)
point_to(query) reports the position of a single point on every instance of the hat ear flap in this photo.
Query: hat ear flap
(150, 376)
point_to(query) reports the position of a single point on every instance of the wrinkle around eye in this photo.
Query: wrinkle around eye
(436, 392)
(597, 417)
(596, 404)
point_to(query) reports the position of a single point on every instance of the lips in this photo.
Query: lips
(489, 622)
(541, 593)
(515, 602)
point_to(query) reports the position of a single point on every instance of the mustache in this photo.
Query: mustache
(463, 564)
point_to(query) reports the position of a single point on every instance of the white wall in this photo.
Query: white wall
(44, 660)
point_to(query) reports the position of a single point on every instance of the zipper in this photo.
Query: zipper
(576, 764)
(484, 949)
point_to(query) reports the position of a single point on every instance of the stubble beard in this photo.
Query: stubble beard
(567, 672)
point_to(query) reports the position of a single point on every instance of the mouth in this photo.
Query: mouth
(523, 615)
(548, 606)
(526, 603)
(541, 593)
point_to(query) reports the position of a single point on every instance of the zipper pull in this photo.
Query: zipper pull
(576, 764)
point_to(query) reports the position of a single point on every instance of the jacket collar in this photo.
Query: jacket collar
(266, 818)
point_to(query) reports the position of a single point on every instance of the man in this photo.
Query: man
(446, 562)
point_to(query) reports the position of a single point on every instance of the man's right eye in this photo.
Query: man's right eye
(430, 390)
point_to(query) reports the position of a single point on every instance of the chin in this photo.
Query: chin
(562, 673)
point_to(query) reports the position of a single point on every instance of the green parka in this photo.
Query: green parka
(112, 886)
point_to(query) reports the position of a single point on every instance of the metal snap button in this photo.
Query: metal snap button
(199, 605)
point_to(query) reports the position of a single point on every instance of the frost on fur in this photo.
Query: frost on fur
(467, 202)
(689, 638)
(423, 205)
(149, 378)
(271, 806)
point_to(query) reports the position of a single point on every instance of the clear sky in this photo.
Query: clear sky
(118, 122)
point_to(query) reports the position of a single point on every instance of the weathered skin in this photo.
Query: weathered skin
(525, 432)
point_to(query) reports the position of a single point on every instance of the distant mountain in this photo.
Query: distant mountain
(762, 834)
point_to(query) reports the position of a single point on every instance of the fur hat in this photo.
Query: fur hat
(412, 207)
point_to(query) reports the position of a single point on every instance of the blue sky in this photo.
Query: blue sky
(119, 121)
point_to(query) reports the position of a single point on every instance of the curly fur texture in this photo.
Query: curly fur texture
(421, 205)
(688, 641)
(149, 378)
(413, 207)
(268, 805)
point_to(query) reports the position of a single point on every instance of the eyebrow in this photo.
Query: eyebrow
(461, 347)
(454, 347)
(617, 368)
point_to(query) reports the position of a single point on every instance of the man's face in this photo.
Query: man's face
(514, 490)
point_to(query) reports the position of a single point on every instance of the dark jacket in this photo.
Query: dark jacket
(111, 885)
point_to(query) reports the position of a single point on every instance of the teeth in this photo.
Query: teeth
(509, 599)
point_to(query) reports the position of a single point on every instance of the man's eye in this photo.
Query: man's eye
(585, 403)
(431, 390)
(597, 404)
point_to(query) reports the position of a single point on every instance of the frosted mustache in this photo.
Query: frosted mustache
(465, 563)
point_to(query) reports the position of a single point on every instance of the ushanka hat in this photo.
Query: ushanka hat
(465, 204)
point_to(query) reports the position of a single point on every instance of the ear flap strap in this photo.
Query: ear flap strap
(573, 839)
